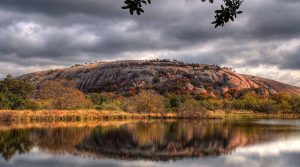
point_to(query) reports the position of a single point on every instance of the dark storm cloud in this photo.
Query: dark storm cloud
(63, 32)
(64, 7)
(292, 60)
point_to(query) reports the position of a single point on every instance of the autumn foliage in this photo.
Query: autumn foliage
(62, 94)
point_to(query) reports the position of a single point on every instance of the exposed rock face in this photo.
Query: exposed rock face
(161, 75)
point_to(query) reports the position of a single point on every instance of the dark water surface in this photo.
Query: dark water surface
(155, 143)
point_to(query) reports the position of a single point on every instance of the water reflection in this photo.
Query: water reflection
(154, 141)
(14, 141)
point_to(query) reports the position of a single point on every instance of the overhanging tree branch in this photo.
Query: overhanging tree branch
(228, 12)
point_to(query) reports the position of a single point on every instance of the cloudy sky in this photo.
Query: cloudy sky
(47, 34)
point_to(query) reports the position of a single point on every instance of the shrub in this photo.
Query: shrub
(98, 99)
(107, 101)
(62, 94)
(266, 105)
(201, 97)
(296, 104)
(54, 89)
(228, 104)
(284, 102)
(4, 102)
(41, 104)
(11, 86)
(175, 100)
(111, 105)
(15, 94)
(72, 100)
(18, 103)
(248, 101)
(191, 106)
(146, 102)
(220, 84)
(212, 104)
(156, 80)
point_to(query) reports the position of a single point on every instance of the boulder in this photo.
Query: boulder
(227, 96)
(199, 91)
(272, 92)
(217, 93)
(188, 87)
(223, 89)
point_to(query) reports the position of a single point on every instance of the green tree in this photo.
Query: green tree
(4, 102)
(15, 94)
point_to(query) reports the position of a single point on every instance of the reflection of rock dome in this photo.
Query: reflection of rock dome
(170, 141)
(153, 140)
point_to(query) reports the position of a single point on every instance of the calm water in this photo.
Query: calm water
(154, 143)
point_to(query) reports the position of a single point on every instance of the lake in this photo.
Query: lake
(153, 143)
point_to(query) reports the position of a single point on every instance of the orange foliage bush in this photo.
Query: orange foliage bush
(146, 102)
(62, 94)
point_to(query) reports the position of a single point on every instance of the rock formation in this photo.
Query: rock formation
(162, 76)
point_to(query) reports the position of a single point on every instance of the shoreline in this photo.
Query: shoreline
(11, 116)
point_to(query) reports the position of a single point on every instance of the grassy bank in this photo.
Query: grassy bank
(83, 115)
(28, 116)
(236, 114)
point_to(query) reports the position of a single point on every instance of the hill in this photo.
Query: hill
(162, 76)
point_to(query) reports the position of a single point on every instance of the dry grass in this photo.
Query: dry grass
(10, 117)
(29, 125)
(250, 114)
(80, 115)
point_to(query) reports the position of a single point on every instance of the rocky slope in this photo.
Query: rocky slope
(163, 76)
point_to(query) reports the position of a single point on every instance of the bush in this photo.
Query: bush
(212, 104)
(248, 101)
(18, 103)
(71, 101)
(228, 105)
(175, 100)
(191, 106)
(284, 102)
(61, 94)
(107, 101)
(156, 80)
(267, 105)
(98, 99)
(4, 102)
(15, 94)
(41, 104)
(146, 102)
(296, 104)
(111, 105)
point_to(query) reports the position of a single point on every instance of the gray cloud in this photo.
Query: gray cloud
(38, 34)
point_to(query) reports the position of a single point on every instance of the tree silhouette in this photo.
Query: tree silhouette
(228, 11)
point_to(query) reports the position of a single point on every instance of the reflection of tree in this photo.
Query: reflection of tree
(14, 141)
(60, 140)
